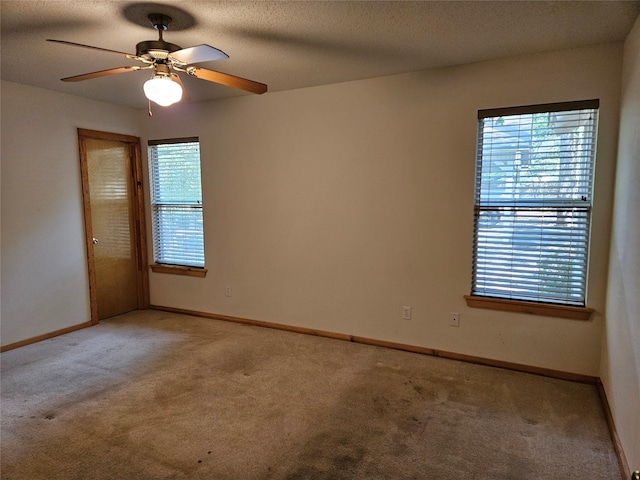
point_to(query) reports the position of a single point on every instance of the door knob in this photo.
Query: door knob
(95, 241)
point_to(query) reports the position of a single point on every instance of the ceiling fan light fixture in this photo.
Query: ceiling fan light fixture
(167, 59)
(162, 90)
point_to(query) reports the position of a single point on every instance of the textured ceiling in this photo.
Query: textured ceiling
(291, 44)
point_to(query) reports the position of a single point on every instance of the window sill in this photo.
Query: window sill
(178, 270)
(545, 309)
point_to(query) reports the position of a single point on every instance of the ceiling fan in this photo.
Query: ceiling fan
(166, 60)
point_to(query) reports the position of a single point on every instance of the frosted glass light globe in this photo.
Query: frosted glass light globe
(162, 90)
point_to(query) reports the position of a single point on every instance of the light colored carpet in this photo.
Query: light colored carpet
(153, 395)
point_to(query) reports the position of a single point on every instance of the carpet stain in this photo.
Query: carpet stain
(274, 406)
(329, 455)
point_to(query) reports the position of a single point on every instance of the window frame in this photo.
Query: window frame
(169, 267)
(538, 307)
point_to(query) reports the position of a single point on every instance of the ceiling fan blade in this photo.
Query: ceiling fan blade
(198, 54)
(228, 80)
(101, 73)
(64, 42)
(178, 80)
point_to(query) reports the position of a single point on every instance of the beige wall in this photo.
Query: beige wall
(332, 207)
(44, 271)
(620, 370)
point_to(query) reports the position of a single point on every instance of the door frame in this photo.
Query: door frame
(139, 229)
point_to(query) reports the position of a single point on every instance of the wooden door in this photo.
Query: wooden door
(114, 223)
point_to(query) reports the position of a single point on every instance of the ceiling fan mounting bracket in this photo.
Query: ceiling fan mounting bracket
(159, 21)
(138, 13)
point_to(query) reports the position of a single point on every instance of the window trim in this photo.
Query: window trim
(169, 141)
(533, 308)
(178, 270)
(575, 312)
(174, 269)
(539, 108)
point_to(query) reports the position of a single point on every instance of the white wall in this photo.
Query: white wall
(620, 370)
(44, 270)
(332, 207)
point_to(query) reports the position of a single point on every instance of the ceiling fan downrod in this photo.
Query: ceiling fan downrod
(157, 49)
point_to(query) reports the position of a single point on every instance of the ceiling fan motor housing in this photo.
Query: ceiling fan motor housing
(155, 49)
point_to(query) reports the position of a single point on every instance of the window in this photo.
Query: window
(176, 202)
(533, 190)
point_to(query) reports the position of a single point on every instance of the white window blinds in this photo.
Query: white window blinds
(176, 202)
(533, 190)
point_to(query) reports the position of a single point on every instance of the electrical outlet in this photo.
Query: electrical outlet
(406, 313)
(227, 290)
(454, 319)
